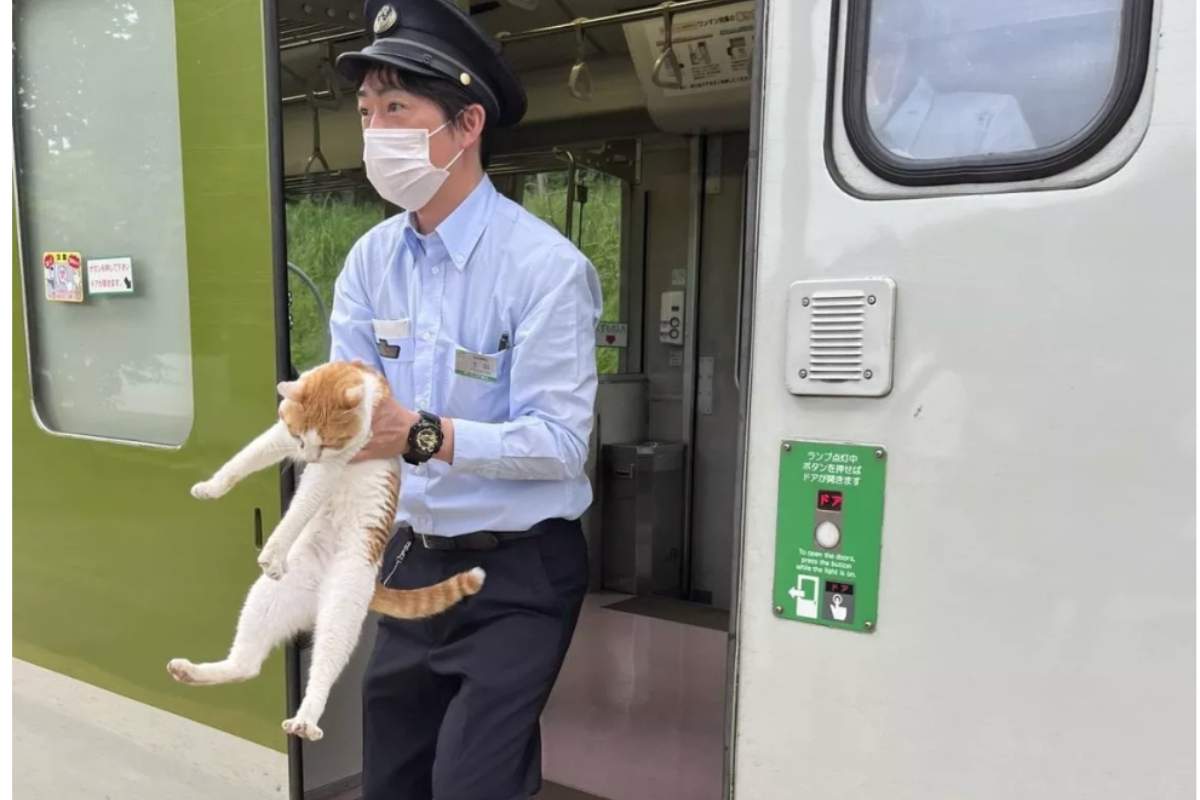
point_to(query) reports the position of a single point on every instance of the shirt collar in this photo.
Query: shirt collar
(459, 232)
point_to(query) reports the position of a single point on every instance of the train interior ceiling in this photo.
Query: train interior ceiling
(646, 172)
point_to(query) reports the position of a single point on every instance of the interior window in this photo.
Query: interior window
(976, 83)
(595, 229)
(100, 204)
(321, 229)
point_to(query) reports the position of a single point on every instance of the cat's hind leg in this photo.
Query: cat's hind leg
(274, 611)
(345, 594)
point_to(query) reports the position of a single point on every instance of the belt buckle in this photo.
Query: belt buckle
(424, 541)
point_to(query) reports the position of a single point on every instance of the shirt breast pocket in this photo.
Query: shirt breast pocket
(479, 384)
(396, 348)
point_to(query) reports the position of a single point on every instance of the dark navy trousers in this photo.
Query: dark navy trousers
(451, 704)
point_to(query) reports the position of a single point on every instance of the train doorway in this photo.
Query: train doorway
(637, 147)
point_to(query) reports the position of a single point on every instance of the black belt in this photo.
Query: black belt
(481, 540)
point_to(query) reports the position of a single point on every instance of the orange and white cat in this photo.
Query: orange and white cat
(321, 562)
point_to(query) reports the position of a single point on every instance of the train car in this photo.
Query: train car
(897, 375)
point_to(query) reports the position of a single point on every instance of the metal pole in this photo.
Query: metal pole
(570, 192)
(345, 36)
(324, 94)
(691, 336)
(674, 6)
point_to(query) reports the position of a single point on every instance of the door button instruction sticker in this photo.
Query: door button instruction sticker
(829, 534)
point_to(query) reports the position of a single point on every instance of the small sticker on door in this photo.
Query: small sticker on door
(110, 275)
(475, 365)
(63, 273)
(612, 334)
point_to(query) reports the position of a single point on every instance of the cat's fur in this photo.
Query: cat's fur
(321, 562)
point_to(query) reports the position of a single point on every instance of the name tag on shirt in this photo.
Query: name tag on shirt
(475, 365)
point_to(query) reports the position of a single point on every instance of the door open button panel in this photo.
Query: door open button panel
(829, 533)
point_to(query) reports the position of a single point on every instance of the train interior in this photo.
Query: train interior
(636, 147)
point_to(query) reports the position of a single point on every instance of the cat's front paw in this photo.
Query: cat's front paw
(303, 728)
(210, 489)
(272, 562)
(181, 670)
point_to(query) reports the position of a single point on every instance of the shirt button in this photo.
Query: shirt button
(427, 336)
(437, 270)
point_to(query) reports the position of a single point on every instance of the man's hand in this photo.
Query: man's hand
(389, 431)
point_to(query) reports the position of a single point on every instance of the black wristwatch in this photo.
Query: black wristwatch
(424, 438)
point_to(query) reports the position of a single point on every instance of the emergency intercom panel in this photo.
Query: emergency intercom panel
(670, 320)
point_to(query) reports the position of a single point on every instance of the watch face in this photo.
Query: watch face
(427, 440)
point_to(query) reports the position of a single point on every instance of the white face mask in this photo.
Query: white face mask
(398, 165)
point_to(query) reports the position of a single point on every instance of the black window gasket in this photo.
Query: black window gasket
(1129, 79)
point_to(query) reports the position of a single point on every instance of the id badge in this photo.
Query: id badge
(476, 365)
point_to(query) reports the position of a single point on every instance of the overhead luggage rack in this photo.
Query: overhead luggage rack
(312, 183)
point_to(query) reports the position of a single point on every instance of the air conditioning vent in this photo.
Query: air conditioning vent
(840, 337)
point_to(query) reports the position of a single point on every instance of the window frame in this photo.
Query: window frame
(1130, 78)
(625, 355)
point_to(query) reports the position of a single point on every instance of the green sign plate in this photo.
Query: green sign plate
(829, 533)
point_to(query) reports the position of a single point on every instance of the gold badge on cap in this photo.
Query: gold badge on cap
(464, 79)
(385, 19)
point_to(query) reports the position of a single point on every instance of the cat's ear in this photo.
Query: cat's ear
(352, 396)
(288, 390)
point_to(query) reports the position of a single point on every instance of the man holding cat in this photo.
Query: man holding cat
(482, 318)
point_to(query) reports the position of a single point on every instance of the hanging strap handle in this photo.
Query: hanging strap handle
(666, 59)
(580, 82)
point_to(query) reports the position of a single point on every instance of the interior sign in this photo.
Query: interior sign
(612, 334)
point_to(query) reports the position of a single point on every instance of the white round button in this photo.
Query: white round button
(828, 535)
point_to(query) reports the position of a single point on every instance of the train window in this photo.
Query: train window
(321, 229)
(100, 200)
(596, 226)
(978, 91)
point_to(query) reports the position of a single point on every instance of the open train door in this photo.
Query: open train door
(969, 524)
(144, 355)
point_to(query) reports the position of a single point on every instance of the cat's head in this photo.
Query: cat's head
(328, 408)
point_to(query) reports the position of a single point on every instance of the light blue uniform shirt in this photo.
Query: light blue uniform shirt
(490, 320)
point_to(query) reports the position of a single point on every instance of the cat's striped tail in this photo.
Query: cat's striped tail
(428, 600)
